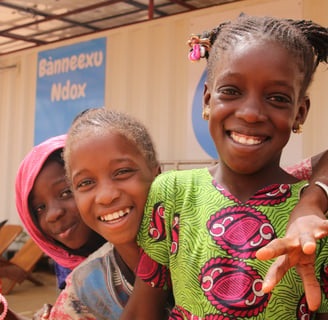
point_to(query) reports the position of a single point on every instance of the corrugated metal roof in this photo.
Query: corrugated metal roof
(26, 24)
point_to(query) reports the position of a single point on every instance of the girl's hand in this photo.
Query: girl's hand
(43, 313)
(297, 249)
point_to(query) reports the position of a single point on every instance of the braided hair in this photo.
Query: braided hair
(306, 41)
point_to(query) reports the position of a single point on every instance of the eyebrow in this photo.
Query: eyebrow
(57, 182)
(229, 74)
(77, 174)
(119, 160)
(63, 179)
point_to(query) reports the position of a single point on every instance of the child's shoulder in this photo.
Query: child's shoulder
(95, 267)
(105, 250)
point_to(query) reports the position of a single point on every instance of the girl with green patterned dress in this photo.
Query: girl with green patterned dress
(202, 228)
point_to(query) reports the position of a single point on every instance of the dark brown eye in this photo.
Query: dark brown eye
(66, 193)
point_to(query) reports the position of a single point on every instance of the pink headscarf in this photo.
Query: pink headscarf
(27, 173)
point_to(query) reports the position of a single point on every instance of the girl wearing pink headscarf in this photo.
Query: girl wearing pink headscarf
(48, 211)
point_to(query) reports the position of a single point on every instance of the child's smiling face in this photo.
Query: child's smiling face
(53, 204)
(111, 180)
(254, 104)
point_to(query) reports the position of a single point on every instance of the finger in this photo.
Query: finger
(275, 273)
(308, 242)
(44, 313)
(323, 230)
(275, 248)
(308, 239)
(311, 285)
(265, 253)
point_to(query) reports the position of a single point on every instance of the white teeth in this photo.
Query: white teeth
(115, 215)
(242, 139)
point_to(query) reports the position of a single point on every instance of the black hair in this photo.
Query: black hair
(306, 41)
(56, 156)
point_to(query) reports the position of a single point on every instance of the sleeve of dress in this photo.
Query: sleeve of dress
(61, 275)
(154, 235)
(301, 170)
(69, 307)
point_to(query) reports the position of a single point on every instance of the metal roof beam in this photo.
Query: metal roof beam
(145, 7)
(151, 9)
(184, 4)
(17, 37)
(61, 17)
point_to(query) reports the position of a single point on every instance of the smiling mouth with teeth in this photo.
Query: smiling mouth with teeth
(114, 216)
(246, 140)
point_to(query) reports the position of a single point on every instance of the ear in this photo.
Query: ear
(157, 170)
(303, 110)
(206, 101)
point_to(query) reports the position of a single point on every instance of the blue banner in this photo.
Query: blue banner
(70, 79)
(200, 125)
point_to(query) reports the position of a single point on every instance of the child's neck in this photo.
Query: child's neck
(243, 186)
(129, 253)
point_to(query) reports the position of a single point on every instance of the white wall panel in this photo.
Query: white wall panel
(150, 81)
(17, 89)
(148, 75)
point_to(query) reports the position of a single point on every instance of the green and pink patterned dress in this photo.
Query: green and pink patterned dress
(201, 240)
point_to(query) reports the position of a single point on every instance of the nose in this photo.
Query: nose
(107, 192)
(252, 110)
(55, 212)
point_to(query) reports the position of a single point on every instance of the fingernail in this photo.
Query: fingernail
(265, 286)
